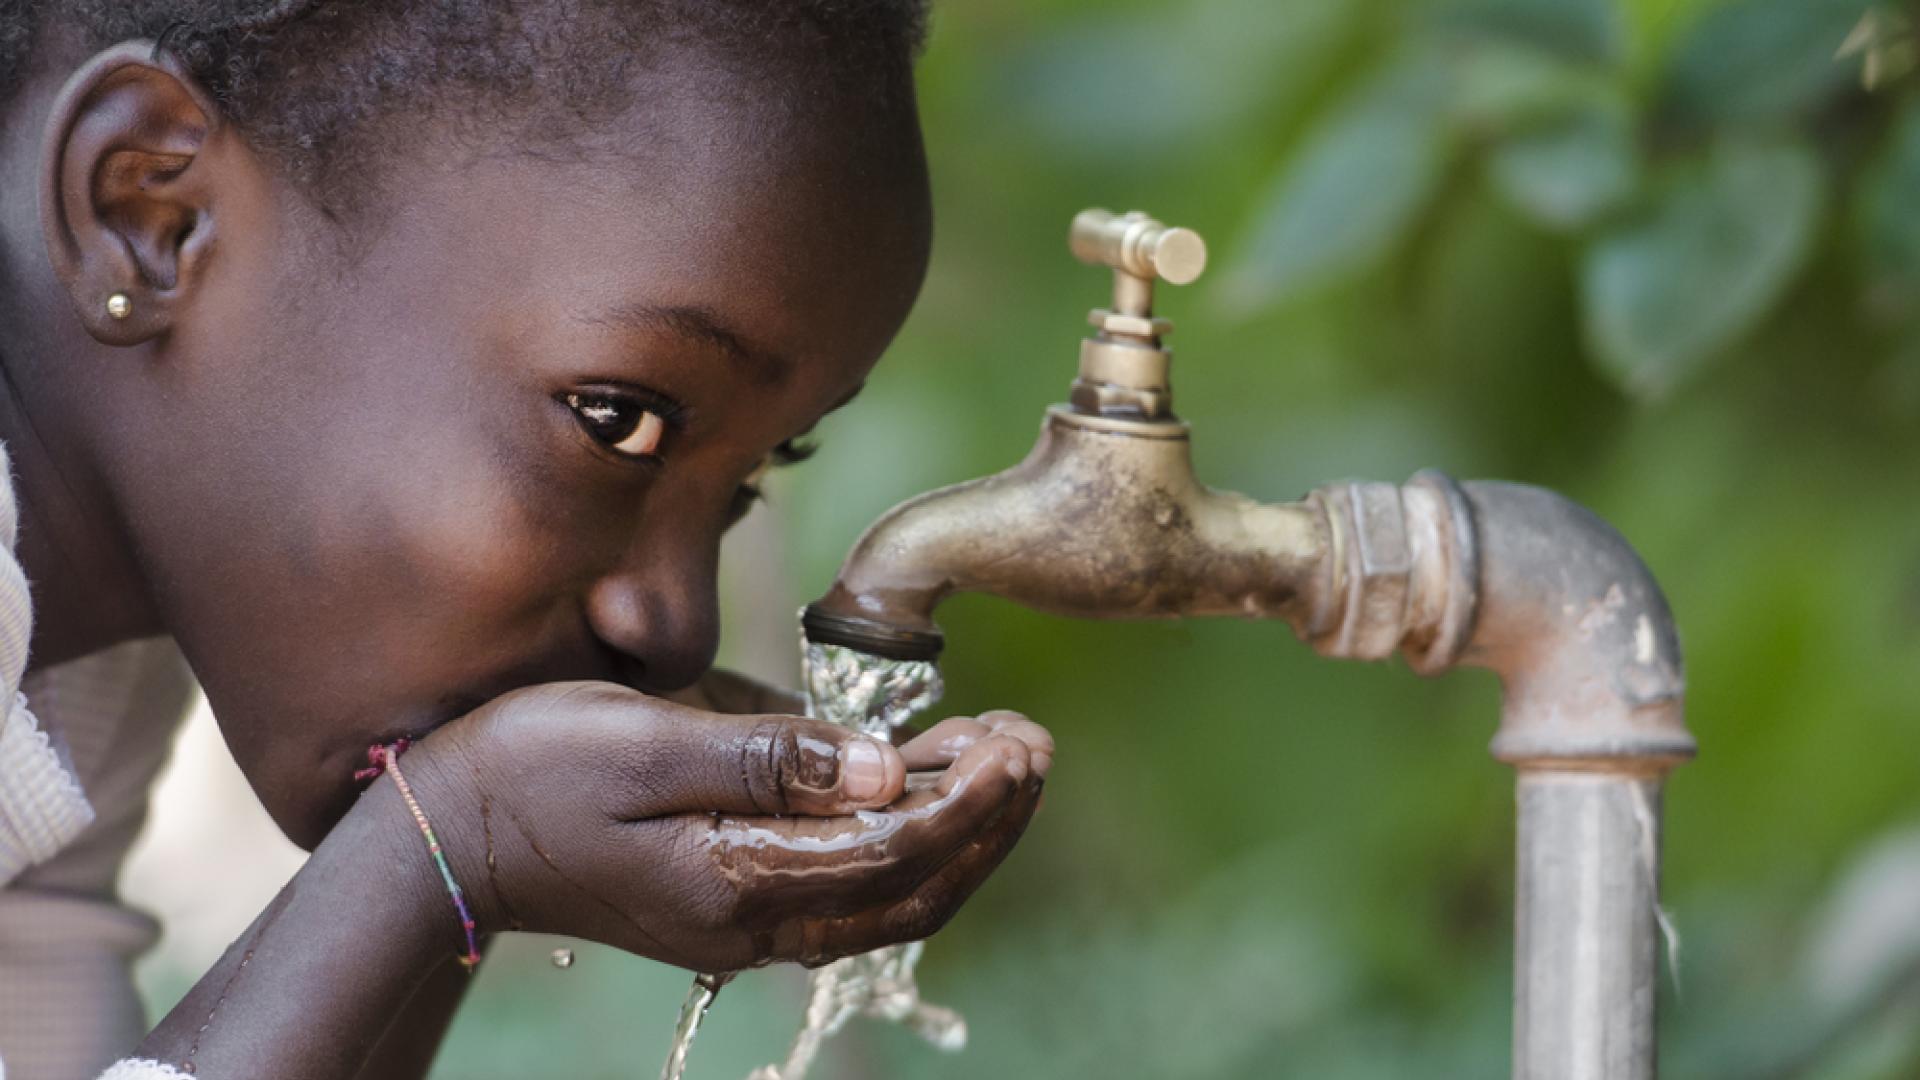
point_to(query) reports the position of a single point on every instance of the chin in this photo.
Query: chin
(306, 819)
(307, 802)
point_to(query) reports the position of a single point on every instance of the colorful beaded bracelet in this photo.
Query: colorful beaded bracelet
(387, 759)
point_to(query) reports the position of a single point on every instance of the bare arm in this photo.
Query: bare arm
(310, 987)
(412, 1041)
(709, 842)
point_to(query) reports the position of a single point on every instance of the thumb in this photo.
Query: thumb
(697, 761)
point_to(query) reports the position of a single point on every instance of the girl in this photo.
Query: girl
(404, 363)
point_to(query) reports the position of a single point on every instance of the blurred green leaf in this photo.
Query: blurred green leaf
(1761, 60)
(1127, 86)
(1579, 29)
(1350, 194)
(1496, 88)
(1663, 293)
(1887, 218)
(1565, 174)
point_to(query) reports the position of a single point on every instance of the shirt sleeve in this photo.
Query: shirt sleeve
(42, 807)
(141, 1069)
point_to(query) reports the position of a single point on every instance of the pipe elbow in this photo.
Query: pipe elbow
(1577, 629)
(1527, 584)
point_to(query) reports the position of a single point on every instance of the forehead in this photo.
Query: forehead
(807, 234)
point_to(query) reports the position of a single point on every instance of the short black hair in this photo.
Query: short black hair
(311, 80)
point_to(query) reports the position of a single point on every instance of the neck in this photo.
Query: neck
(87, 590)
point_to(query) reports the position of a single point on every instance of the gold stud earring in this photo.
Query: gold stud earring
(119, 305)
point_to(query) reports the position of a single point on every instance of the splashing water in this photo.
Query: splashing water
(875, 696)
(878, 984)
(865, 692)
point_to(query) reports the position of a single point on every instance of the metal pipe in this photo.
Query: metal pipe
(1585, 646)
(1532, 586)
(1586, 950)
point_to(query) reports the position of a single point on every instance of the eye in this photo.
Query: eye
(626, 425)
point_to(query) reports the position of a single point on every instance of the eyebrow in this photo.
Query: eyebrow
(703, 326)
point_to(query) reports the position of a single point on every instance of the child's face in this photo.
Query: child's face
(375, 493)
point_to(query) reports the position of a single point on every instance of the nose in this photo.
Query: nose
(660, 610)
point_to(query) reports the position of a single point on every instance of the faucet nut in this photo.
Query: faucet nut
(1405, 571)
(1113, 322)
(1374, 571)
(1129, 402)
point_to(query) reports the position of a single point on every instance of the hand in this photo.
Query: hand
(719, 842)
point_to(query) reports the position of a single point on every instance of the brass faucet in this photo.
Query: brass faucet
(1106, 520)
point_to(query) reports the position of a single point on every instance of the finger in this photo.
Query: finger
(827, 866)
(815, 941)
(941, 744)
(1016, 725)
(681, 760)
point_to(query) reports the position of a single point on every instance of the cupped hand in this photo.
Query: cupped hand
(718, 842)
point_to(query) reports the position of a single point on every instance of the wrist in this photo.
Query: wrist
(382, 848)
(314, 983)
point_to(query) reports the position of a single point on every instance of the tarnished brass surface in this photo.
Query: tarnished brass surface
(1104, 520)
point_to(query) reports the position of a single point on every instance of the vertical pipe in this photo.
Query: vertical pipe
(1586, 946)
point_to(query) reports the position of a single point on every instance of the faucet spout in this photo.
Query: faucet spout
(1103, 520)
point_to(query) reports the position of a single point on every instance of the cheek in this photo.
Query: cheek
(475, 530)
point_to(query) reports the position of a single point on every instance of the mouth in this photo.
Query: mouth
(346, 769)
(445, 711)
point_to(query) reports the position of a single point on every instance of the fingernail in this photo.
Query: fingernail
(863, 769)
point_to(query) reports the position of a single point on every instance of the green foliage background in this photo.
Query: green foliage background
(1661, 255)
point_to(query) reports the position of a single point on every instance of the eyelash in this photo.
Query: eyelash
(791, 452)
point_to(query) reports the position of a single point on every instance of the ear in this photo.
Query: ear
(130, 191)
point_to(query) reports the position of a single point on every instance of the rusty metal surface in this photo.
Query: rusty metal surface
(1580, 634)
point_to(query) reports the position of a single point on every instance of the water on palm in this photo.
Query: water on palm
(876, 696)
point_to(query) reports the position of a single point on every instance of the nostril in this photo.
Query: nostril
(661, 666)
(658, 639)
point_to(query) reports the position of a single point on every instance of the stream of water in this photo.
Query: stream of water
(876, 696)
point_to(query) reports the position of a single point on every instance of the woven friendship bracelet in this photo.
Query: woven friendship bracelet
(387, 759)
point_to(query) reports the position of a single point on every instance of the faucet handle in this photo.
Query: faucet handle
(1136, 244)
(1124, 366)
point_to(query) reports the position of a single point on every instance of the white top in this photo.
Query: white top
(73, 794)
(42, 808)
